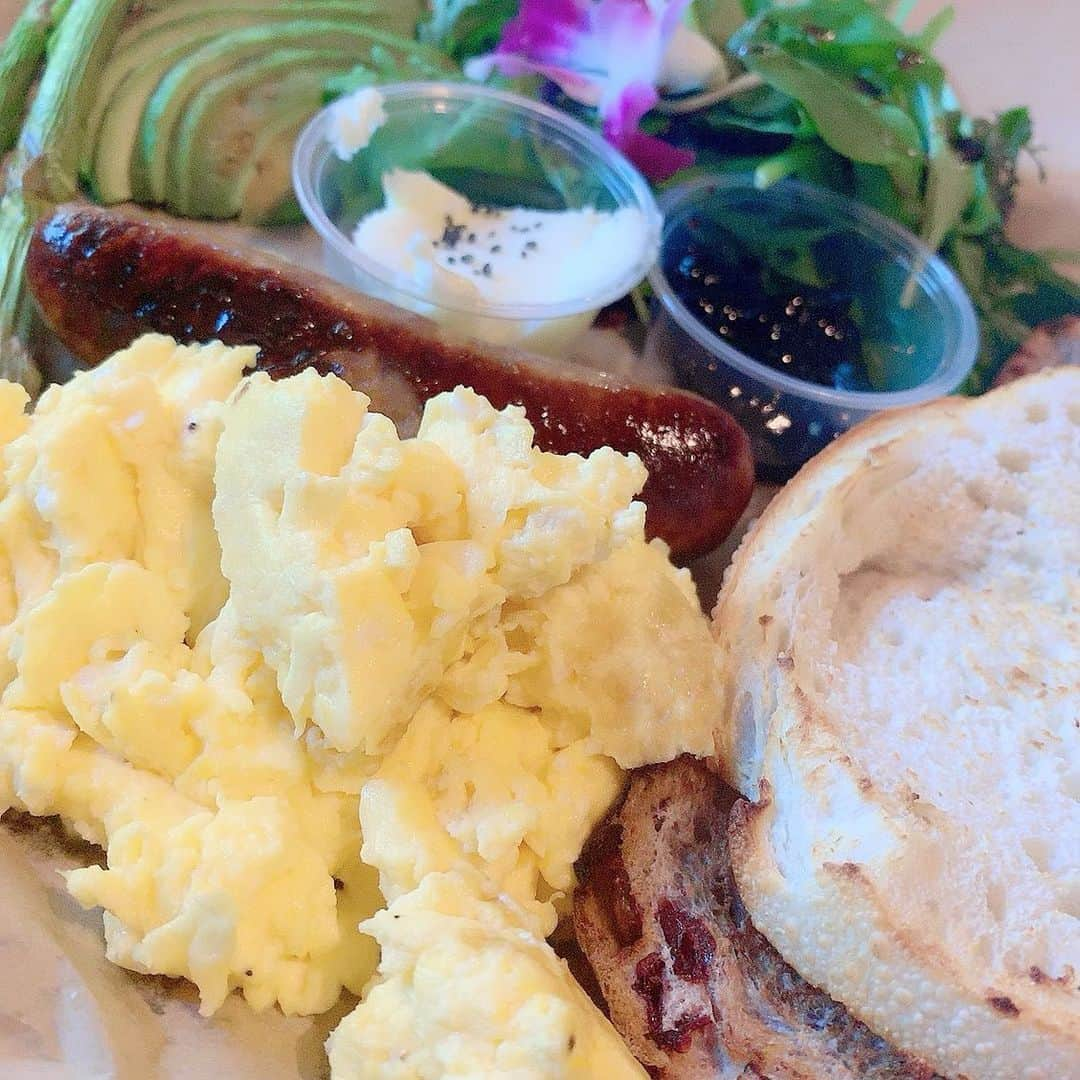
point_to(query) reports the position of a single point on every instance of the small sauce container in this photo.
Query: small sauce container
(498, 150)
(913, 322)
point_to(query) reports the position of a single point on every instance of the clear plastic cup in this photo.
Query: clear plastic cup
(482, 142)
(910, 294)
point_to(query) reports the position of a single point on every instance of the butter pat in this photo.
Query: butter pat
(354, 119)
(433, 240)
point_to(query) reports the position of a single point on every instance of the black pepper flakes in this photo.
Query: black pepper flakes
(486, 270)
(452, 233)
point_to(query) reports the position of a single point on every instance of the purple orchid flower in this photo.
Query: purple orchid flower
(604, 53)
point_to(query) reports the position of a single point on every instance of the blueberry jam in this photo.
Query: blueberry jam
(808, 332)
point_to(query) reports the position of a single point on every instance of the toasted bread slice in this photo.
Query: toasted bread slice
(694, 989)
(901, 641)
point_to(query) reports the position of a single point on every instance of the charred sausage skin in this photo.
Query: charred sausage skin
(102, 277)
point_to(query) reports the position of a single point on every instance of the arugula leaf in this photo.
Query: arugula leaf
(464, 28)
(852, 123)
(809, 160)
(386, 66)
(1000, 143)
(899, 10)
(844, 22)
(950, 182)
(873, 185)
(937, 25)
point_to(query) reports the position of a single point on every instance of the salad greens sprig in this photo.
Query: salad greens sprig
(875, 95)
(846, 97)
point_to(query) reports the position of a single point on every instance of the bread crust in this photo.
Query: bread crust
(849, 866)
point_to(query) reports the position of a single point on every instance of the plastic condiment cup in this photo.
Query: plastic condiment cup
(468, 136)
(908, 292)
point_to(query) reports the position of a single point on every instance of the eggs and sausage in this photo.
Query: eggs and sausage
(316, 689)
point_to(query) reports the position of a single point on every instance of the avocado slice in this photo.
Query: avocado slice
(20, 56)
(169, 101)
(229, 123)
(394, 16)
(141, 60)
(265, 186)
(161, 33)
(77, 52)
(41, 170)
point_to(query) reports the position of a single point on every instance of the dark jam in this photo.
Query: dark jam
(804, 331)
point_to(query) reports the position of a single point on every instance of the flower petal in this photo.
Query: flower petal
(655, 158)
(604, 53)
(546, 30)
(623, 115)
(572, 83)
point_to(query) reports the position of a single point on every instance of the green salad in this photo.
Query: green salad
(194, 105)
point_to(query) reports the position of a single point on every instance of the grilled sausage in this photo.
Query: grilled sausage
(103, 276)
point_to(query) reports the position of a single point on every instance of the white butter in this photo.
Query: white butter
(354, 119)
(433, 240)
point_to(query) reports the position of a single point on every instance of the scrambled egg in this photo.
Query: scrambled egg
(131, 708)
(369, 570)
(248, 634)
(514, 1009)
(495, 789)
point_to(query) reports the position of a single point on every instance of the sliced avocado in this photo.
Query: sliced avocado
(265, 184)
(170, 99)
(161, 34)
(20, 56)
(229, 122)
(167, 12)
(16, 220)
(139, 64)
(41, 170)
(77, 51)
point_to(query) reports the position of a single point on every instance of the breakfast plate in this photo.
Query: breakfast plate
(390, 548)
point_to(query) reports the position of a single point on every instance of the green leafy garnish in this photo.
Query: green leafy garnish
(386, 66)
(463, 28)
(853, 101)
